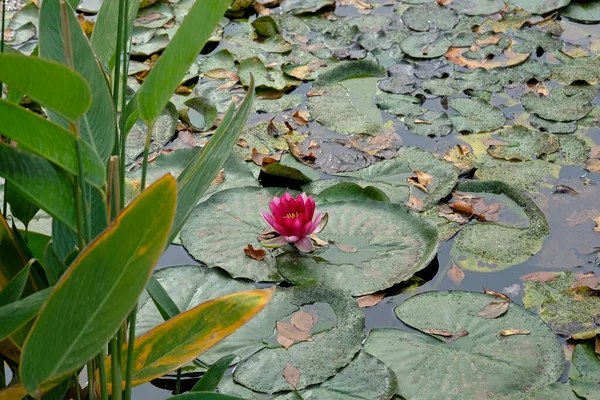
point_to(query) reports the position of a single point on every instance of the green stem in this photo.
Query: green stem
(130, 346)
(77, 386)
(102, 372)
(90, 374)
(146, 150)
(123, 120)
(178, 382)
(118, 50)
(116, 376)
(4, 201)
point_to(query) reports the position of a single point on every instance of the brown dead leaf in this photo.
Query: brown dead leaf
(9, 35)
(302, 320)
(217, 73)
(313, 93)
(257, 254)
(513, 331)
(494, 309)
(496, 294)
(451, 215)
(539, 88)
(301, 72)
(370, 300)
(456, 336)
(540, 276)
(291, 332)
(588, 279)
(227, 85)
(597, 221)
(220, 178)
(509, 58)
(149, 17)
(242, 143)
(183, 90)
(284, 341)
(261, 9)
(564, 189)
(86, 24)
(291, 375)
(592, 165)
(272, 128)
(415, 203)
(346, 248)
(583, 217)
(444, 2)
(476, 207)
(440, 332)
(421, 180)
(456, 274)
(301, 117)
(264, 159)
(306, 159)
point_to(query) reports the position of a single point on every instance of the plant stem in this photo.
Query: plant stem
(102, 372)
(77, 386)
(116, 376)
(146, 150)
(123, 119)
(90, 373)
(118, 50)
(4, 200)
(130, 346)
(178, 382)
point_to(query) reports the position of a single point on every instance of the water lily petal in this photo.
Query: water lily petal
(305, 245)
(292, 239)
(320, 223)
(274, 243)
(274, 224)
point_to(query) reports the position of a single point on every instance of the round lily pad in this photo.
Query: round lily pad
(350, 191)
(399, 104)
(582, 10)
(424, 18)
(272, 78)
(585, 367)
(478, 362)
(432, 124)
(523, 144)
(477, 7)
(475, 115)
(539, 6)
(572, 311)
(305, 6)
(395, 194)
(401, 79)
(490, 246)
(576, 69)
(565, 103)
(372, 246)
(544, 125)
(425, 45)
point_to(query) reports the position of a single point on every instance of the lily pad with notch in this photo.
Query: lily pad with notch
(563, 104)
(430, 44)
(475, 115)
(523, 144)
(395, 194)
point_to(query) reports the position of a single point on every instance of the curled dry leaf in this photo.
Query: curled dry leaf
(242, 143)
(540, 276)
(451, 215)
(440, 332)
(370, 300)
(220, 178)
(444, 2)
(306, 159)
(588, 279)
(494, 309)
(592, 165)
(511, 332)
(456, 336)
(303, 320)
(564, 189)
(257, 254)
(261, 9)
(292, 375)
(456, 275)
(496, 294)
(264, 159)
(415, 203)
(421, 180)
(475, 206)
(301, 117)
(272, 128)
(597, 221)
(313, 93)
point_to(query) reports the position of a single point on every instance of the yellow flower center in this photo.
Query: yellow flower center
(292, 215)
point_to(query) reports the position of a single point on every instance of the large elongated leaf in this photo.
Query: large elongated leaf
(41, 181)
(50, 141)
(47, 82)
(200, 172)
(98, 125)
(14, 289)
(17, 314)
(182, 338)
(210, 380)
(99, 289)
(193, 33)
(20, 207)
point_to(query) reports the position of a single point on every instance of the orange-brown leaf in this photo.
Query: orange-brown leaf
(257, 254)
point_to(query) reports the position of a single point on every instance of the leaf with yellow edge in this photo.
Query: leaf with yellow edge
(510, 58)
(181, 339)
(13, 392)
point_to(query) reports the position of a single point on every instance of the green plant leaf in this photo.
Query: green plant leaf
(47, 81)
(41, 181)
(18, 313)
(174, 62)
(51, 141)
(98, 124)
(211, 378)
(163, 302)
(98, 290)
(20, 206)
(195, 179)
(14, 289)
(205, 396)
(53, 265)
(12, 257)
(585, 368)
(182, 338)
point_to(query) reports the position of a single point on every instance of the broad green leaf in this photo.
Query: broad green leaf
(211, 378)
(50, 141)
(104, 36)
(99, 289)
(18, 313)
(182, 338)
(53, 264)
(20, 206)
(47, 81)
(204, 396)
(200, 172)
(163, 302)
(41, 181)
(98, 124)
(14, 289)
(585, 369)
(192, 35)
(12, 258)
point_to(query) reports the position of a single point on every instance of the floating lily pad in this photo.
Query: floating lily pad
(539, 6)
(399, 104)
(425, 45)
(305, 6)
(210, 91)
(396, 194)
(144, 43)
(396, 171)
(572, 311)
(525, 175)
(565, 103)
(432, 124)
(401, 79)
(350, 191)
(544, 125)
(286, 102)
(490, 246)
(201, 114)
(347, 103)
(523, 144)
(372, 246)
(536, 292)
(154, 16)
(481, 364)
(584, 372)
(475, 116)
(258, 137)
(221, 59)
(477, 7)
(577, 69)
(582, 10)
(425, 18)
(574, 149)
(163, 131)
(272, 78)
(554, 391)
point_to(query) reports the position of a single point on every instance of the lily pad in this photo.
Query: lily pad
(305, 6)
(572, 311)
(401, 79)
(272, 78)
(372, 246)
(430, 44)
(539, 6)
(260, 138)
(475, 116)
(399, 104)
(536, 292)
(577, 69)
(395, 194)
(432, 124)
(425, 18)
(582, 10)
(564, 103)
(523, 144)
(346, 105)
(584, 372)
(350, 191)
(286, 102)
(489, 246)
(201, 114)
(163, 131)
(544, 125)
(481, 364)
(477, 7)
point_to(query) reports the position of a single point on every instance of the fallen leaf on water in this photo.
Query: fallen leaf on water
(564, 189)
(183, 90)
(494, 309)
(346, 248)
(220, 178)
(242, 143)
(540, 276)
(227, 85)
(451, 215)
(496, 294)
(493, 142)
(257, 254)
(306, 159)
(456, 274)
(301, 117)
(261, 9)
(313, 93)
(370, 300)
(444, 2)
(292, 375)
(289, 331)
(592, 165)
(422, 121)
(582, 217)
(511, 332)
(318, 242)
(264, 159)
(597, 221)
(476, 206)
(302, 320)
(415, 203)
(9, 35)
(588, 279)
(457, 335)
(440, 332)
(272, 129)
(285, 341)
(421, 180)
(217, 73)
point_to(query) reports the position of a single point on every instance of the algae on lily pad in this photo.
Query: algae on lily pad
(563, 104)
(479, 364)
(523, 144)
(539, 6)
(537, 292)
(475, 115)
(477, 7)
(582, 10)
(572, 311)
(431, 124)
(585, 370)
(267, 138)
(272, 78)
(425, 18)
(430, 44)
(305, 6)
(491, 246)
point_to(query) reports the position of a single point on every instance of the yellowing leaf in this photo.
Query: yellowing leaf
(455, 54)
(13, 392)
(511, 332)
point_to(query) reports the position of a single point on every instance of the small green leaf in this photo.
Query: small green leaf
(18, 313)
(53, 265)
(20, 206)
(13, 291)
(212, 377)
(348, 191)
(163, 302)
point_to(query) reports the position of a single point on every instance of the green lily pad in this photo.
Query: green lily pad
(565, 103)
(396, 171)
(574, 149)
(395, 194)
(265, 25)
(544, 125)
(372, 246)
(554, 391)
(477, 7)
(585, 369)
(145, 43)
(481, 364)
(572, 311)
(350, 191)
(210, 91)
(163, 131)
(399, 104)
(201, 114)
(577, 69)
(347, 103)
(286, 102)
(489, 246)
(305, 6)
(582, 10)
(425, 45)
(475, 116)
(537, 292)
(154, 16)
(531, 40)
(432, 124)
(425, 18)
(272, 78)
(401, 79)
(523, 144)
(221, 59)
(259, 138)
(539, 6)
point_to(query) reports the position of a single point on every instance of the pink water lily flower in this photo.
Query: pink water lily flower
(293, 220)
